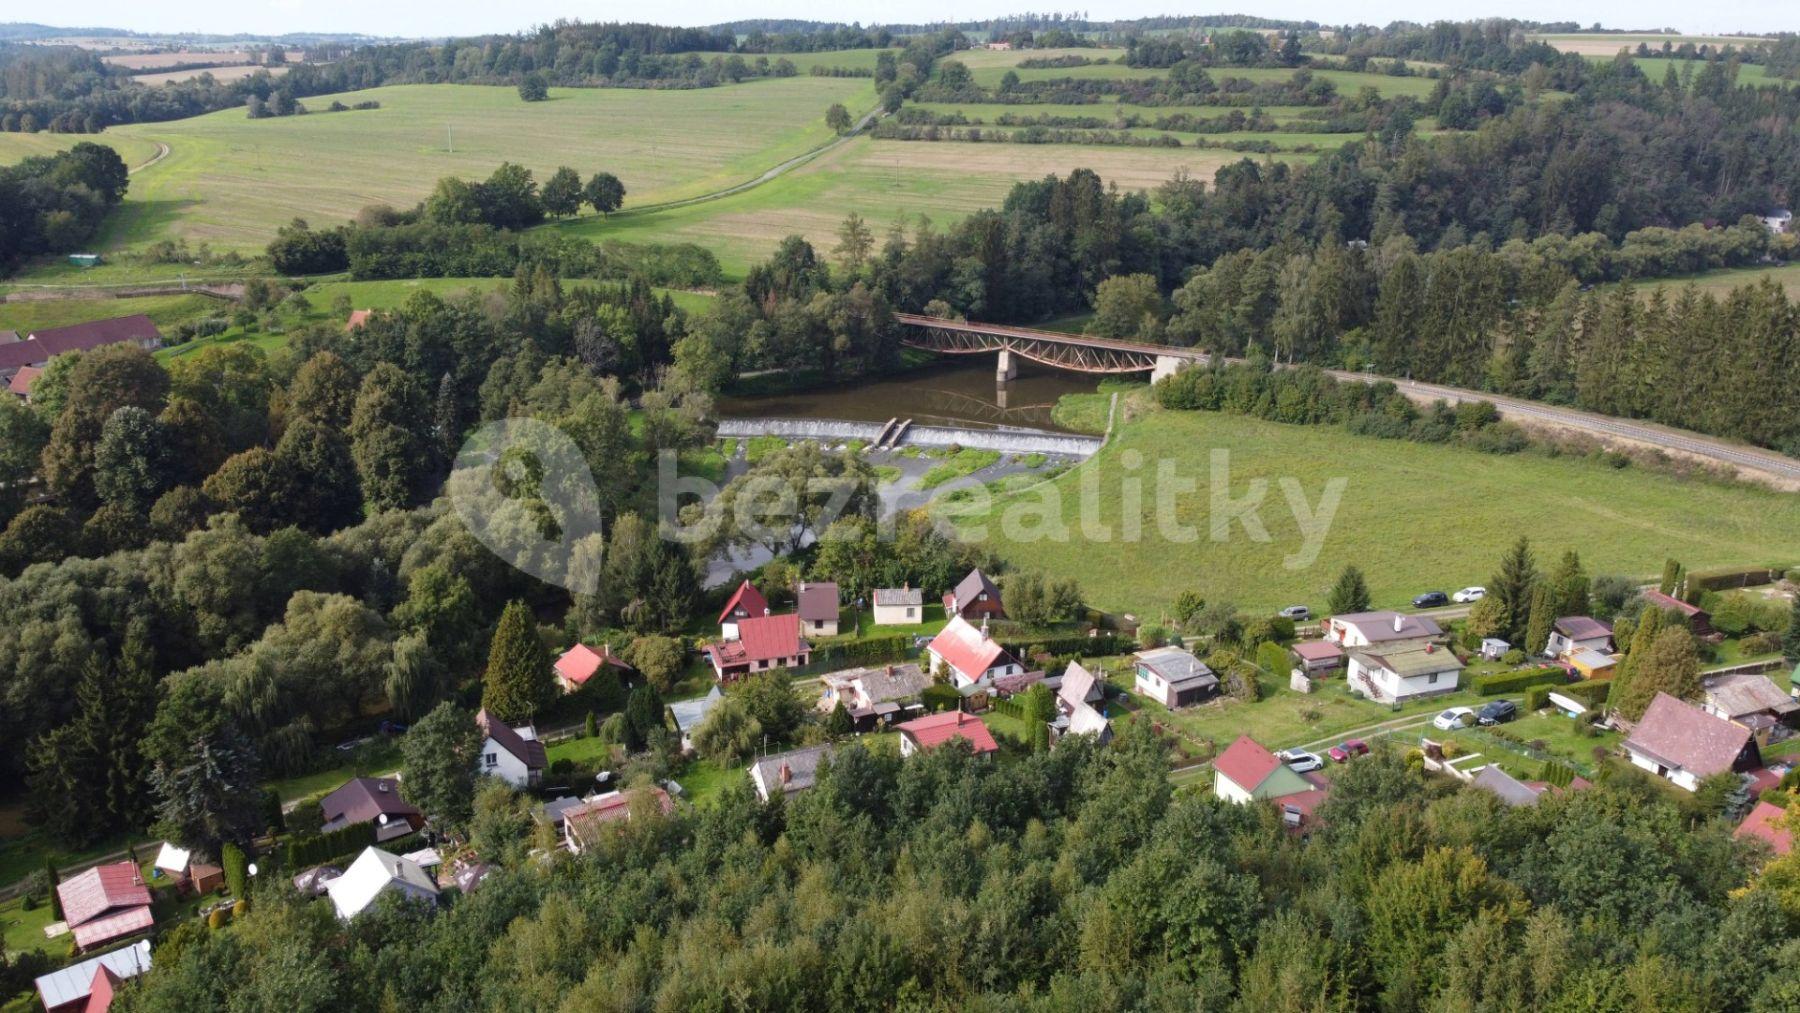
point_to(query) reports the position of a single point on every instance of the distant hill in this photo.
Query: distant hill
(25, 31)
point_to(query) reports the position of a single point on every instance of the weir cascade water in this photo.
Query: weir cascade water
(1005, 440)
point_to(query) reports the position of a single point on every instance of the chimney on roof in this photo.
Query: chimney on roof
(1399, 621)
(890, 670)
(906, 585)
(766, 610)
(787, 773)
(984, 630)
(1430, 648)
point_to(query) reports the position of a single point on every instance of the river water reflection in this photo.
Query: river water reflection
(957, 392)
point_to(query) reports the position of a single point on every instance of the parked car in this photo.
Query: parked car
(1300, 761)
(1469, 594)
(1497, 712)
(1342, 752)
(1298, 613)
(1431, 599)
(1454, 718)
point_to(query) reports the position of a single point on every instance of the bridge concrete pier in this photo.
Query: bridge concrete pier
(1166, 365)
(1007, 368)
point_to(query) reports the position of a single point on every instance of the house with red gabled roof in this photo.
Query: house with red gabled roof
(1684, 744)
(584, 825)
(106, 903)
(745, 603)
(1698, 619)
(580, 663)
(1766, 822)
(357, 319)
(921, 734)
(1247, 772)
(762, 643)
(21, 382)
(973, 658)
(975, 598)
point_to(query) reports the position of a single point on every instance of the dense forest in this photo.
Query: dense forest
(1072, 879)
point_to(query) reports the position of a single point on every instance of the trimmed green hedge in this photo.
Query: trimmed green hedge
(1714, 580)
(1104, 645)
(1512, 682)
(305, 852)
(1592, 692)
(848, 653)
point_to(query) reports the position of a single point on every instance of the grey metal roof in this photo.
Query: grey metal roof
(1178, 667)
(802, 768)
(689, 713)
(899, 596)
(1511, 790)
(76, 981)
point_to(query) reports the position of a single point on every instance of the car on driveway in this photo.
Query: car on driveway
(1300, 761)
(1431, 600)
(1469, 594)
(1298, 613)
(1454, 718)
(1348, 748)
(1497, 712)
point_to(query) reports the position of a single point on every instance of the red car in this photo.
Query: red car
(1350, 747)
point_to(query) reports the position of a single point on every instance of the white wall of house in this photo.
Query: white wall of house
(1392, 687)
(963, 680)
(898, 615)
(1154, 686)
(1560, 645)
(495, 761)
(1229, 790)
(1682, 778)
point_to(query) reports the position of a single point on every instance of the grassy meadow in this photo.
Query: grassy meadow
(1414, 517)
(231, 181)
(164, 310)
(1609, 43)
(887, 181)
(16, 147)
(1720, 282)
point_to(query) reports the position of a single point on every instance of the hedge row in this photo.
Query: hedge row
(306, 852)
(1104, 645)
(846, 653)
(1714, 580)
(1512, 682)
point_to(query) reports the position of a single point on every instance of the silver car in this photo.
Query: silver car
(1300, 761)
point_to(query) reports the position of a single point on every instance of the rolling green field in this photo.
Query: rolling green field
(988, 112)
(885, 181)
(1414, 517)
(1608, 43)
(16, 147)
(988, 67)
(231, 181)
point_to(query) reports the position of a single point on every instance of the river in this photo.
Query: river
(958, 393)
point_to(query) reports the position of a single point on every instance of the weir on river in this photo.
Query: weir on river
(1002, 439)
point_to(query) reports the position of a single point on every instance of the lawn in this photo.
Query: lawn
(1720, 282)
(231, 181)
(703, 780)
(24, 930)
(932, 616)
(16, 147)
(382, 757)
(581, 751)
(884, 182)
(963, 463)
(165, 310)
(1412, 516)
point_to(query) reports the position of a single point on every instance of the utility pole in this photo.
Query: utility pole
(450, 139)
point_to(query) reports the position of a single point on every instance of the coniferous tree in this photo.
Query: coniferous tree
(1790, 641)
(518, 679)
(1349, 594)
(1543, 615)
(1569, 587)
(438, 759)
(1669, 664)
(1512, 585)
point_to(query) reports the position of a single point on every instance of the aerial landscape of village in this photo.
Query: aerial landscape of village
(910, 509)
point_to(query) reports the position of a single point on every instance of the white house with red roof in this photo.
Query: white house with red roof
(921, 734)
(745, 603)
(580, 663)
(105, 903)
(1247, 772)
(972, 656)
(762, 643)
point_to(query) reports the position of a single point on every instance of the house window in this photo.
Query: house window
(491, 759)
(909, 612)
(1431, 680)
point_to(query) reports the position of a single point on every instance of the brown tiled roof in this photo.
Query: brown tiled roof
(42, 345)
(1582, 628)
(364, 799)
(529, 751)
(1678, 734)
(972, 587)
(817, 601)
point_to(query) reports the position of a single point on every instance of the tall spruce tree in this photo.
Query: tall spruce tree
(1543, 614)
(1512, 584)
(1349, 594)
(517, 681)
(1790, 641)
